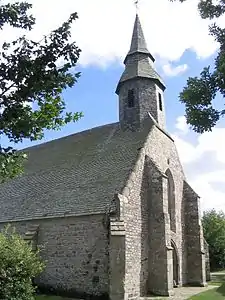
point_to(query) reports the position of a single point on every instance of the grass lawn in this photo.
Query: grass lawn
(219, 271)
(218, 293)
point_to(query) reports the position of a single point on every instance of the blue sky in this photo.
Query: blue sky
(94, 95)
(178, 39)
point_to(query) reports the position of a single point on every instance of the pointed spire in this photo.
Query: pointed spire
(137, 62)
(138, 43)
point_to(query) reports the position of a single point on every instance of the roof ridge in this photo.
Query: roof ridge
(68, 136)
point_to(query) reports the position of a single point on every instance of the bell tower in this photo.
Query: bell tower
(140, 88)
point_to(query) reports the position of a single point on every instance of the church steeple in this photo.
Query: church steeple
(138, 43)
(140, 88)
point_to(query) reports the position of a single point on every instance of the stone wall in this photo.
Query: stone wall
(207, 261)
(160, 250)
(145, 234)
(194, 239)
(139, 277)
(146, 99)
(76, 250)
(161, 149)
(143, 204)
(117, 261)
(132, 223)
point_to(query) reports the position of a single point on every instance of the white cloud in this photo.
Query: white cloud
(182, 125)
(211, 197)
(187, 151)
(171, 71)
(204, 163)
(213, 142)
(104, 28)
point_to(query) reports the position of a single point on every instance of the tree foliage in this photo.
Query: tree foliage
(33, 75)
(199, 93)
(18, 266)
(214, 231)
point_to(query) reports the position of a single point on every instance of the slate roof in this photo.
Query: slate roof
(139, 61)
(139, 66)
(138, 43)
(77, 174)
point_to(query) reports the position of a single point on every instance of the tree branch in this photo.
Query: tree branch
(7, 89)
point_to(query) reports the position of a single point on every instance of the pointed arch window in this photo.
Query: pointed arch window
(171, 200)
(130, 98)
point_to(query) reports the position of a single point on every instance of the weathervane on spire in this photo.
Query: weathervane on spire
(136, 2)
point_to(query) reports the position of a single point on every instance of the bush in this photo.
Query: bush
(18, 266)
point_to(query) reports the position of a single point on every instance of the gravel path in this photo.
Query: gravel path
(182, 293)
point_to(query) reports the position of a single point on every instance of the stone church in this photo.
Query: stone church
(111, 206)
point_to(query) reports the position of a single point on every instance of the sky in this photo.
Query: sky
(179, 40)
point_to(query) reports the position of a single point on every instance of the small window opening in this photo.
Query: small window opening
(160, 102)
(131, 98)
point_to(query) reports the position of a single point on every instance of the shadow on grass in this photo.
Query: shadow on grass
(221, 289)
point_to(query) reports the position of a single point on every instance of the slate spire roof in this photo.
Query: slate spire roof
(139, 61)
(138, 43)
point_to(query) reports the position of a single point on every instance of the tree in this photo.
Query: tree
(214, 232)
(18, 266)
(33, 75)
(199, 93)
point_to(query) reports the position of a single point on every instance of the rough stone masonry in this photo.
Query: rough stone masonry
(111, 206)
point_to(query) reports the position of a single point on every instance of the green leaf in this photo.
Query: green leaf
(32, 83)
(199, 93)
(19, 264)
(214, 232)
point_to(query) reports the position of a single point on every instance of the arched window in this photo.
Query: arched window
(171, 200)
(130, 98)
